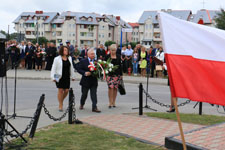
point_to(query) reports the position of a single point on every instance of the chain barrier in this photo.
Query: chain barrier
(162, 104)
(9, 133)
(74, 108)
(54, 118)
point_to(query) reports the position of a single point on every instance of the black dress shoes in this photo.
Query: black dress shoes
(170, 111)
(96, 110)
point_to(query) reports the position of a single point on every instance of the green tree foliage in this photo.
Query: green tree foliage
(220, 20)
(41, 40)
(108, 43)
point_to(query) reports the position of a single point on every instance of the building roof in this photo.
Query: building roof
(116, 22)
(182, 14)
(2, 36)
(206, 15)
(51, 16)
(79, 15)
(133, 25)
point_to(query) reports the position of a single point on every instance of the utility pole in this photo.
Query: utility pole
(203, 4)
(8, 34)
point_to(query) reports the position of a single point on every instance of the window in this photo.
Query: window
(74, 25)
(102, 35)
(81, 42)
(99, 35)
(42, 33)
(81, 26)
(83, 33)
(90, 34)
(73, 34)
(109, 34)
(53, 33)
(137, 33)
(54, 26)
(146, 27)
(150, 26)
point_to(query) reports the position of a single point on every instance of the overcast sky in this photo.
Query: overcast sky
(129, 10)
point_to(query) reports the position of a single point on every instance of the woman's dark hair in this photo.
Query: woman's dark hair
(62, 49)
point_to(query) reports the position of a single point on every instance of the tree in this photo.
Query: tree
(220, 20)
(133, 44)
(108, 43)
(41, 40)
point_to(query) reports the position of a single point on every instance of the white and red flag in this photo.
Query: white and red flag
(195, 58)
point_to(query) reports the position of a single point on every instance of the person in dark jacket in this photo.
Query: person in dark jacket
(88, 82)
(50, 54)
(101, 53)
(29, 51)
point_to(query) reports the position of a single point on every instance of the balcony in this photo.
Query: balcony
(30, 36)
(156, 30)
(157, 39)
(58, 28)
(30, 29)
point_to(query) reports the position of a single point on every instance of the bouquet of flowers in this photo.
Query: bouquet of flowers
(101, 68)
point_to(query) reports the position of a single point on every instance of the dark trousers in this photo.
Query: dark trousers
(152, 69)
(29, 63)
(93, 94)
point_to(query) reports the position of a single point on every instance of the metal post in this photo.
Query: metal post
(70, 116)
(200, 108)
(121, 39)
(2, 128)
(38, 111)
(140, 99)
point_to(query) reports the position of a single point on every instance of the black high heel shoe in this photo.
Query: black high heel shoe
(172, 110)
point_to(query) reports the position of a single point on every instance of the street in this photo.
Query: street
(29, 92)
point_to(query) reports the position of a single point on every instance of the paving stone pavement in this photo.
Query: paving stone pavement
(211, 137)
(152, 130)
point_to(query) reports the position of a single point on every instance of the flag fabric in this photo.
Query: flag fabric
(195, 58)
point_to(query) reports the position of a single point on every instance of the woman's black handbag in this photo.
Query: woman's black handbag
(121, 88)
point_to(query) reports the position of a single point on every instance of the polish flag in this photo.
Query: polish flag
(195, 58)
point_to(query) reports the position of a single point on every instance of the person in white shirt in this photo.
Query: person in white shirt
(128, 57)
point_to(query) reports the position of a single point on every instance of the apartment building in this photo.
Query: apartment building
(135, 32)
(34, 24)
(77, 27)
(149, 26)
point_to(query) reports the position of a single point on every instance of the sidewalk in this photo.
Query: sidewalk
(142, 128)
(45, 75)
(158, 131)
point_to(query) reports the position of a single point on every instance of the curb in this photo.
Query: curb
(77, 79)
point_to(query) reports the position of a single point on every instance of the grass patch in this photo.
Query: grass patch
(62, 136)
(190, 118)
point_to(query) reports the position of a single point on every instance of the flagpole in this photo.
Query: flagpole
(179, 123)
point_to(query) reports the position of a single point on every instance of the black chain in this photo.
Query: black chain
(26, 129)
(52, 117)
(162, 104)
(74, 108)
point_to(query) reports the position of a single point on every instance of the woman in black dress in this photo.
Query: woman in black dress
(61, 72)
(114, 78)
(38, 58)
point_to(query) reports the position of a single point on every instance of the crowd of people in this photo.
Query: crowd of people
(64, 60)
(136, 61)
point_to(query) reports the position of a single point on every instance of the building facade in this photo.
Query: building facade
(77, 27)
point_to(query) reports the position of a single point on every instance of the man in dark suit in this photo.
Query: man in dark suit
(83, 53)
(88, 81)
(152, 55)
(29, 51)
(50, 54)
(101, 53)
